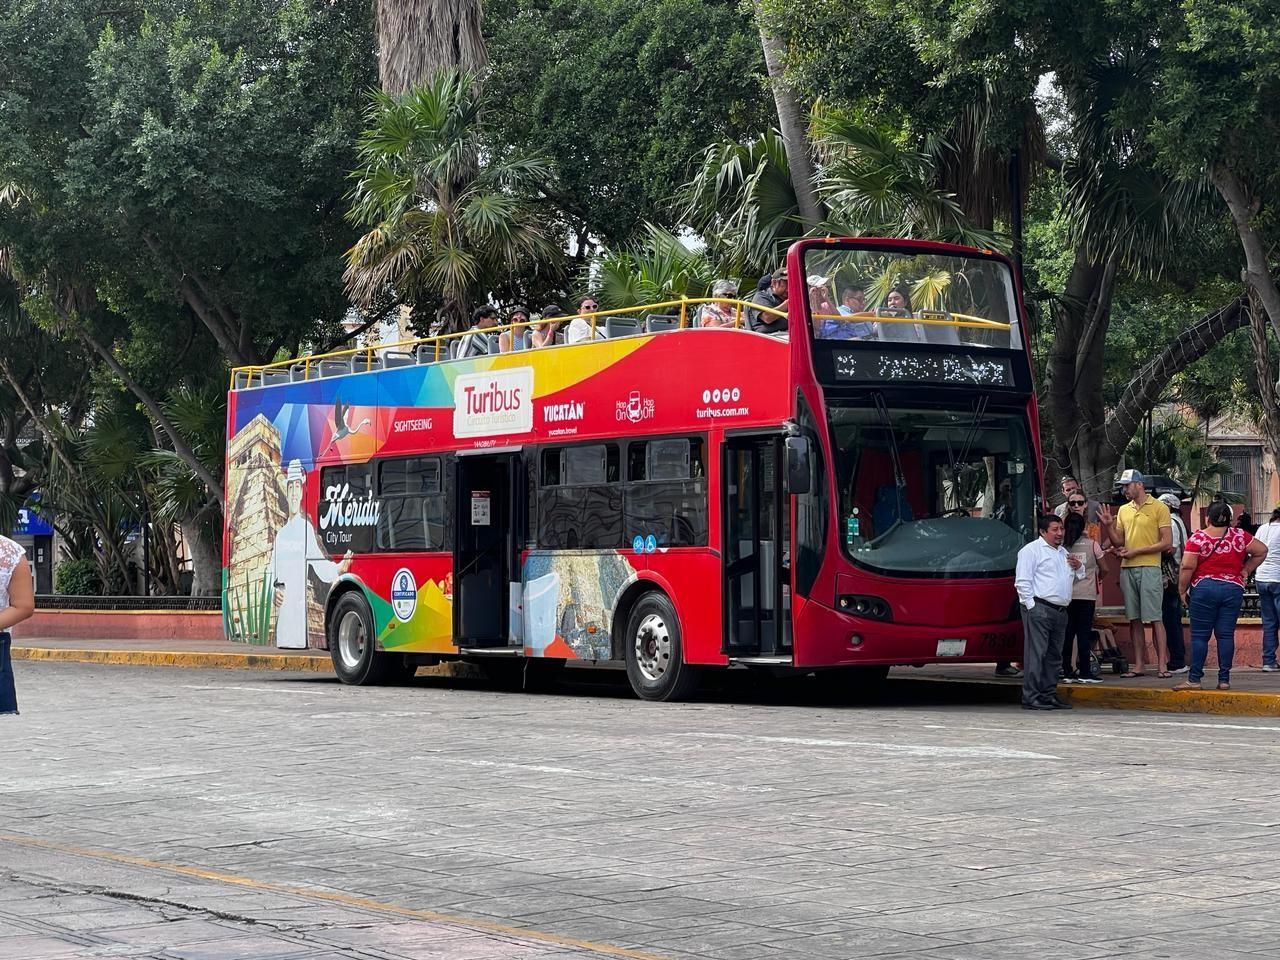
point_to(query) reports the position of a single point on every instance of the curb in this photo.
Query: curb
(1223, 704)
(187, 658)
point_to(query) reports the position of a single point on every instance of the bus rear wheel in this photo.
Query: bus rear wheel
(655, 654)
(356, 659)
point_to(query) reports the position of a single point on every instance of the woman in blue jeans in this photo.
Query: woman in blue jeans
(17, 602)
(1215, 564)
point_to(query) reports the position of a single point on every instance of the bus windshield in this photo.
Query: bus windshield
(933, 492)
(904, 297)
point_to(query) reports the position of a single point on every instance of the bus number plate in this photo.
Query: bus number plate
(951, 648)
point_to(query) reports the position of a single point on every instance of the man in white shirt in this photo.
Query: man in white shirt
(1267, 578)
(1043, 581)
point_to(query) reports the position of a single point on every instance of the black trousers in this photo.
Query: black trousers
(1079, 634)
(1171, 614)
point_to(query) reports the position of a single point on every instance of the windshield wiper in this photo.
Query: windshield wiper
(971, 434)
(899, 481)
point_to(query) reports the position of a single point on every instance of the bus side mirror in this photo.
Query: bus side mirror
(797, 465)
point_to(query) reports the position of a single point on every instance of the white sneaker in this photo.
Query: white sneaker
(1068, 679)
(1088, 680)
(1271, 668)
(1188, 669)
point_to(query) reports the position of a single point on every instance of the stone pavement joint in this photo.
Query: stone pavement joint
(329, 896)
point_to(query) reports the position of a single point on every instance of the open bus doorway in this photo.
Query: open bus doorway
(756, 549)
(485, 548)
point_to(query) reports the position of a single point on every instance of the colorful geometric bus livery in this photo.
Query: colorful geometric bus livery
(298, 526)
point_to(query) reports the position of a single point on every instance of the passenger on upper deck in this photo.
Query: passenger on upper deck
(476, 342)
(518, 314)
(721, 313)
(898, 304)
(855, 301)
(776, 297)
(580, 327)
(544, 333)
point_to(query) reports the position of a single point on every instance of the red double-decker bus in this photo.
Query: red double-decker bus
(664, 497)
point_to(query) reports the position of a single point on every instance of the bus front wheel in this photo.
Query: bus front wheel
(356, 659)
(655, 654)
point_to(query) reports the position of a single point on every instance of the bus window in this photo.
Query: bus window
(411, 515)
(667, 492)
(580, 502)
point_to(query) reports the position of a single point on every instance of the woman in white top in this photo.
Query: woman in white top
(1084, 599)
(17, 603)
(580, 327)
(1267, 579)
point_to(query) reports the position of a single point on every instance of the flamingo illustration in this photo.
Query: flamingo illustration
(341, 428)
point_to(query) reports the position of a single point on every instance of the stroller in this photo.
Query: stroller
(1103, 650)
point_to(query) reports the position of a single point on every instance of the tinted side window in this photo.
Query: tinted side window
(667, 495)
(412, 505)
(580, 501)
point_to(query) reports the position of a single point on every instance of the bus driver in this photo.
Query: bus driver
(297, 548)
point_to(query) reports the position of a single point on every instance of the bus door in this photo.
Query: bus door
(488, 535)
(756, 546)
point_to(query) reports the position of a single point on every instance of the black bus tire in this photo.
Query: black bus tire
(655, 651)
(352, 646)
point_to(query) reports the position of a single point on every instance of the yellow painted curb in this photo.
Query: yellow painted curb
(187, 658)
(1222, 703)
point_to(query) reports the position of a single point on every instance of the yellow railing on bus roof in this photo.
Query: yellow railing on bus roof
(243, 377)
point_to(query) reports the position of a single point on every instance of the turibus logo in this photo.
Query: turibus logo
(492, 403)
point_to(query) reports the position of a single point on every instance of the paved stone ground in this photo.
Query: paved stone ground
(743, 826)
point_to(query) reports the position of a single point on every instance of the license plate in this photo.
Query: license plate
(951, 648)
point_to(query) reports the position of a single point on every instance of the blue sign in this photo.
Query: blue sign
(650, 543)
(638, 544)
(31, 524)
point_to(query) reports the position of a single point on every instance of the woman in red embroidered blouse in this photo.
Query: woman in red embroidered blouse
(1215, 564)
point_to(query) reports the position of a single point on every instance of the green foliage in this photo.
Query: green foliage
(660, 268)
(77, 578)
(1179, 450)
(623, 94)
(452, 215)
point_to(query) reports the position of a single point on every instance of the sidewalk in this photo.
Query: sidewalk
(1253, 693)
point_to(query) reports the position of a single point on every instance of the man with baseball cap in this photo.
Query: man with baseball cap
(1171, 608)
(1140, 533)
(775, 297)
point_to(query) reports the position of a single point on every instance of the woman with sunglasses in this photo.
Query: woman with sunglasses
(1084, 595)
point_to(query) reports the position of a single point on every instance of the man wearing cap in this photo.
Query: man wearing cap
(1140, 533)
(774, 297)
(296, 549)
(1171, 609)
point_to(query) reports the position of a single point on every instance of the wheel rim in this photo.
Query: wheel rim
(653, 647)
(351, 639)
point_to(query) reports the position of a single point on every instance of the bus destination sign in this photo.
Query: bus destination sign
(901, 366)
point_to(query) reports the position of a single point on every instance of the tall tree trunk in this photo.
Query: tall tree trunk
(418, 38)
(791, 121)
(1243, 206)
(1076, 361)
(1266, 374)
(206, 564)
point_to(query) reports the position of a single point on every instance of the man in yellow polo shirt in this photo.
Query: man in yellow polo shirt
(1141, 532)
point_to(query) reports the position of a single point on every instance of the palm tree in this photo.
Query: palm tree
(418, 39)
(661, 267)
(742, 198)
(451, 214)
